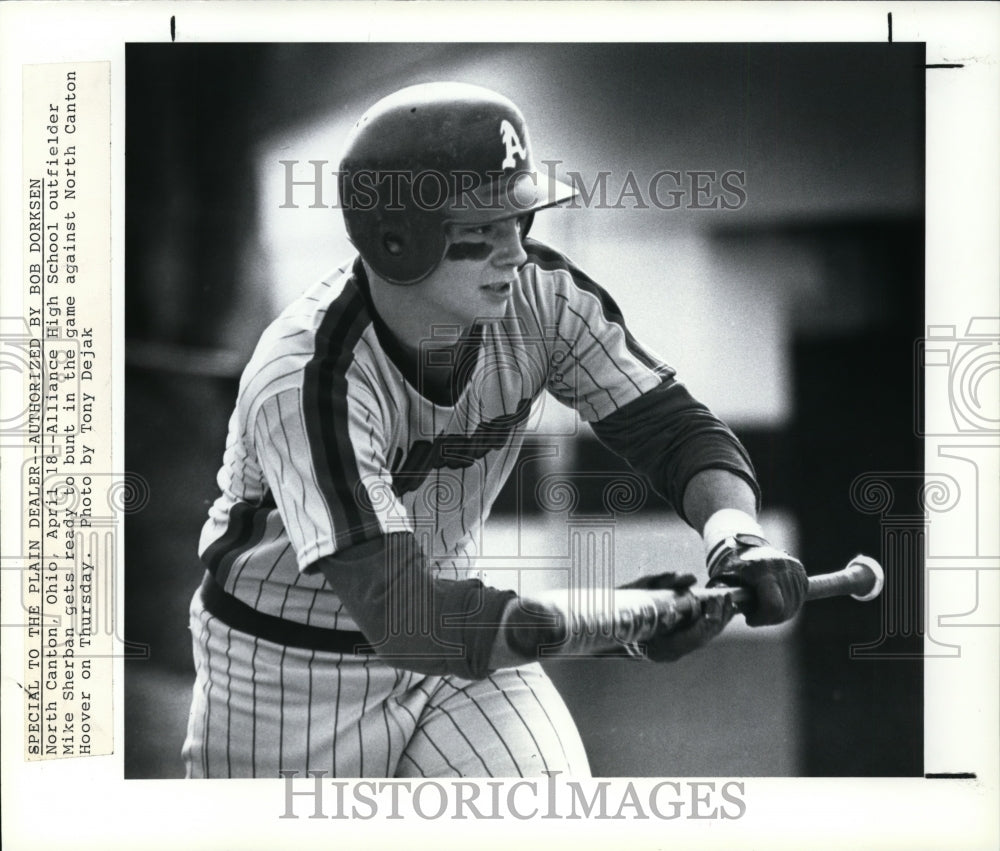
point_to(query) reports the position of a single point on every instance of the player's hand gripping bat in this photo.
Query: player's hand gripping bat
(862, 579)
(633, 617)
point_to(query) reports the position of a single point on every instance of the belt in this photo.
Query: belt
(238, 615)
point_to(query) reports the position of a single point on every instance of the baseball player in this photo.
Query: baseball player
(342, 625)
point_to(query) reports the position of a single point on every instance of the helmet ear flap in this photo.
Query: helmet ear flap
(406, 249)
(394, 238)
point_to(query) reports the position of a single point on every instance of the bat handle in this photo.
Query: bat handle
(863, 579)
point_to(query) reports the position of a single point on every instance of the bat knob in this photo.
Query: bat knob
(876, 574)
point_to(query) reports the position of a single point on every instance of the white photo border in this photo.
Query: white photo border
(85, 803)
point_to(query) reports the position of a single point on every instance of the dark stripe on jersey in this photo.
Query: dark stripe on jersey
(267, 577)
(309, 705)
(243, 532)
(208, 691)
(576, 397)
(576, 390)
(238, 615)
(281, 708)
(419, 728)
(493, 727)
(388, 398)
(458, 729)
(388, 741)
(253, 700)
(284, 600)
(454, 451)
(580, 363)
(312, 607)
(286, 522)
(293, 334)
(336, 715)
(252, 403)
(229, 696)
(541, 705)
(436, 747)
(538, 748)
(258, 528)
(416, 766)
(361, 720)
(550, 261)
(600, 343)
(326, 416)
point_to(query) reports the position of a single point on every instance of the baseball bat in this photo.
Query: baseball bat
(862, 579)
(639, 614)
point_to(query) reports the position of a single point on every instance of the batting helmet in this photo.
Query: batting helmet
(429, 155)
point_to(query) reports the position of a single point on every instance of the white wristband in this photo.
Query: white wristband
(727, 523)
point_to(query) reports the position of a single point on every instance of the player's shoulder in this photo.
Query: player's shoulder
(556, 289)
(549, 273)
(321, 310)
(551, 266)
(545, 258)
(331, 295)
(323, 323)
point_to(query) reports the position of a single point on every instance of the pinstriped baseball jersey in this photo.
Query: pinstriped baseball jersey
(259, 707)
(336, 439)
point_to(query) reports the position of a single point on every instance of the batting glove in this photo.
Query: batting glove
(745, 558)
(710, 619)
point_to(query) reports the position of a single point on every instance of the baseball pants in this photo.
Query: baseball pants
(258, 707)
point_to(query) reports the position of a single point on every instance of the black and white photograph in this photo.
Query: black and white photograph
(354, 377)
(590, 429)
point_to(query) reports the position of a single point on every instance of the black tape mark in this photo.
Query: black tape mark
(468, 251)
(960, 775)
(173, 27)
(946, 65)
(890, 28)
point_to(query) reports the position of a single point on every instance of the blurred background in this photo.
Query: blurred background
(794, 316)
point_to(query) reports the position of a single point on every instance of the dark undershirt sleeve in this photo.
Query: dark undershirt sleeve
(414, 620)
(669, 437)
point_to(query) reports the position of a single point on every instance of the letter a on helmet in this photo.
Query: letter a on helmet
(430, 155)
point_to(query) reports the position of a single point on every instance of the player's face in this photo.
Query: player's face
(476, 278)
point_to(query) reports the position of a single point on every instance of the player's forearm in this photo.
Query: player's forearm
(503, 654)
(414, 620)
(713, 490)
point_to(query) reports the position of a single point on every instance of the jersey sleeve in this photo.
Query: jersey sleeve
(669, 437)
(595, 365)
(631, 397)
(324, 457)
